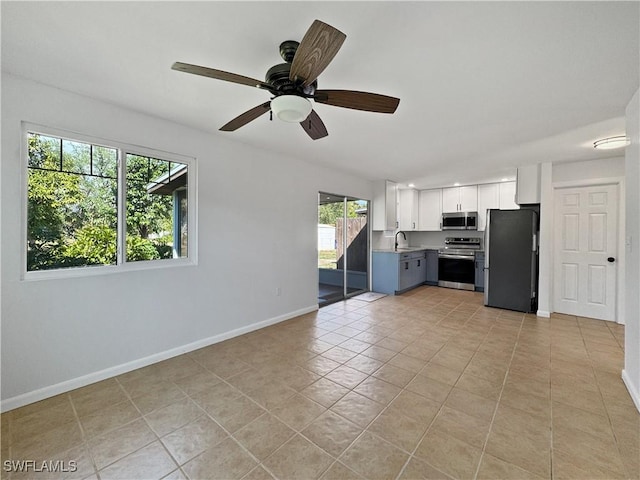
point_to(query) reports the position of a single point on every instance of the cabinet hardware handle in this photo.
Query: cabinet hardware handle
(406, 265)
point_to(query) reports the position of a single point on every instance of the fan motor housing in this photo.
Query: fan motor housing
(278, 77)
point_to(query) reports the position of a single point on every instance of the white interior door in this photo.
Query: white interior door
(585, 240)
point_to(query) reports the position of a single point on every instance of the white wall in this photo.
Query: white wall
(587, 170)
(60, 334)
(631, 372)
(545, 252)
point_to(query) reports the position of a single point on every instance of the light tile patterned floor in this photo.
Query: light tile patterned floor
(429, 384)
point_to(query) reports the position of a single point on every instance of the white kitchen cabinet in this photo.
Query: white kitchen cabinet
(495, 195)
(385, 205)
(460, 199)
(469, 198)
(430, 211)
(508, 196)
(528, 184)
(488, 197)
(408, 208)
(450, 199)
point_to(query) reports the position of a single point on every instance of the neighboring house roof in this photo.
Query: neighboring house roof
(169, 182)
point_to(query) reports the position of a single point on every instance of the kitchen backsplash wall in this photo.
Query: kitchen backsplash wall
(381, 242)
(436, 239)
(419, 239)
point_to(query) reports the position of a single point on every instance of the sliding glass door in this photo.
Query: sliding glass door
(343, 247)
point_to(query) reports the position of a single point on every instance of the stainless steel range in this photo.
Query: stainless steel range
(456, 263)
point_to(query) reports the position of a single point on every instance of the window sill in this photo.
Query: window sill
(97, 270)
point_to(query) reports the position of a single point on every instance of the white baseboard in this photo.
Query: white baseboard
(633, 389)
(72, 384)
(543, 313)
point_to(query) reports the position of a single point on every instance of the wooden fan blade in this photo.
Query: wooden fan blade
(219, 75)
(316, 50)
(314, 126)
(246, 117)
(369, 102)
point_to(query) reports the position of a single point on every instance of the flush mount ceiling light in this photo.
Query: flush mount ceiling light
(291, 108)
(611, 142)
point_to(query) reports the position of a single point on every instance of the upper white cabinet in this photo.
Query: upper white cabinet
(422, 210)
(508, 196)
(385, 205)
(488, 197)
(430, 211)
(409, 206)
(528, 184)
(460, 199)
(495, 195)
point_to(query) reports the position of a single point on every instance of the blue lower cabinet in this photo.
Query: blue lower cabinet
(432, 267)
(397, 272)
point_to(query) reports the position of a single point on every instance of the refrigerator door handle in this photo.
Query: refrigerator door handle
(486, 257)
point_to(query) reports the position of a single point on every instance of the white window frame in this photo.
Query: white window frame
(122, 265)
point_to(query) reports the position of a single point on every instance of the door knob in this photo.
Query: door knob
(611, 259)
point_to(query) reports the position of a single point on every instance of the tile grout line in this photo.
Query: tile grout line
(85, 441)
(613, 432)
(551, 435)
(9, 425)
(412, 453)
(143, 417)
(364, 430)
(495, 410)
(295, 430)
(228, 433)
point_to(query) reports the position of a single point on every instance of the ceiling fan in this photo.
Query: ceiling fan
(294, 82)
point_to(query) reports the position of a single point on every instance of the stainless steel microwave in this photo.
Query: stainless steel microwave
(460, 221)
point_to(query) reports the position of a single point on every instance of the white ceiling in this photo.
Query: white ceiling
(484, 86)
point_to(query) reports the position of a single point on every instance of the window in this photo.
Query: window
(99, 203)
(156, 208)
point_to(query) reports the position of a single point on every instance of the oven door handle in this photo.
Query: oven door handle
(456, 257)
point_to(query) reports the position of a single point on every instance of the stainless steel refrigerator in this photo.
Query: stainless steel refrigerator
(511, 259)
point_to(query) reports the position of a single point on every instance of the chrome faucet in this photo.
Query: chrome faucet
(405, 237)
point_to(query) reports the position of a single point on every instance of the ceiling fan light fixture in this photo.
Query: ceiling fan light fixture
(291, 108)
(610, 143)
